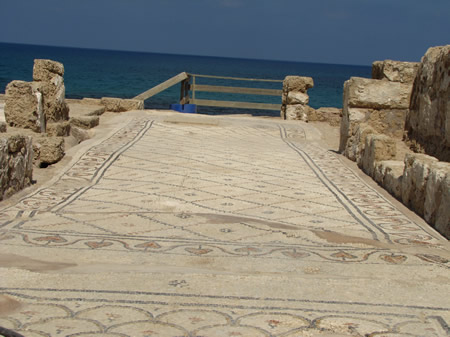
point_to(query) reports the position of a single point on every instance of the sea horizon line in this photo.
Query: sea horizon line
(188, 55)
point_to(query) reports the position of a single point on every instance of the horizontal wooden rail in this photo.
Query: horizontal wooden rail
(163, 86)
(235, 104)
(236, 90)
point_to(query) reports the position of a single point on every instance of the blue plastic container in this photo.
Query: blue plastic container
(190, 108)
(176, 107)
(185, 108)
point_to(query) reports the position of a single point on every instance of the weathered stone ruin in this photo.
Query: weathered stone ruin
(49, 75)
(16, 168)
(325, 114)
(395, 71)
(295, 98)
(31, 105)
(114, 104)
(23, 106)
(38, 115)
(40, 106)
(404, 102)
(382, 105)
(428, 120)
(295, 102)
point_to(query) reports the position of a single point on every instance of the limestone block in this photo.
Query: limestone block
(415, 177)
(428, 121)
(351, 117)
(81, 134)
(377, 148)
(376, 94)
(354, 149)
(85, 122)
(297, 83)
(395, 71)
(2, 127)
(91, 101)
(389, 174)
(297, 112)
(119, 105)
(61, 129)
(16, 169)
(49, 150)
(45, 70)
(314, 116)
(442, 223)
(21, 105)
(295, 97)
(326, 114)
(55, 107)
(435, 187)
(388, 121)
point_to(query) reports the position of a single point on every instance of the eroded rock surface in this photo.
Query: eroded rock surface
(381, 104)
(49, 74)
(295, 98)
(21, 105)
(395, 71)
(114, 104)
(16, 167)
(428, 121)
(48, 150)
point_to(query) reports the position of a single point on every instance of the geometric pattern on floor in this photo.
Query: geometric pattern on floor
(65, 313)
(252, 194)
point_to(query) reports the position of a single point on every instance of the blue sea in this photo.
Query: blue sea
(100, 73)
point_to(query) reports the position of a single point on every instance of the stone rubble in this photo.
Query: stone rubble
(114, 104)
(41, 107)
(295, 98)
(47, 150)
(85, 122)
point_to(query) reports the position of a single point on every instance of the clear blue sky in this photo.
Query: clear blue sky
(328, 31)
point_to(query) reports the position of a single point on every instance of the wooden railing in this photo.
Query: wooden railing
(189, 89)
(163, 86)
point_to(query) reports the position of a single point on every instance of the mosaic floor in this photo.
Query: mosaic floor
(197, 229)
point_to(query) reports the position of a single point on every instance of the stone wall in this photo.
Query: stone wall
(381, 104)
(375, 115)
(295, 98)
(16, 167)
(421, 182)
(428, 121)
(330, 115)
